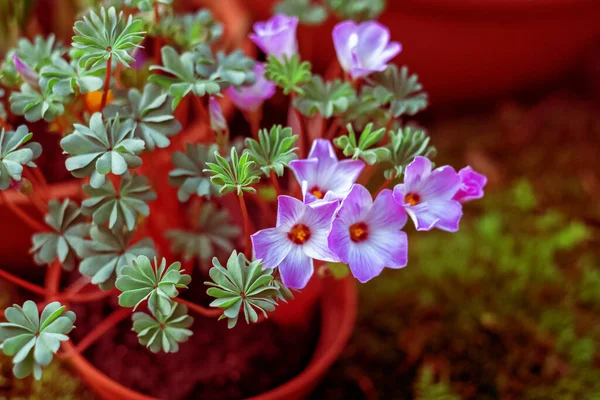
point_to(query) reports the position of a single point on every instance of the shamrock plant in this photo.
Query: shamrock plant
(140, 103)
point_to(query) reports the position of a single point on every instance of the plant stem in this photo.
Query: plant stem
(53, 279)
(88, 297)
(275, 183)
(106, 82)
(333, 129)
(33, 224)
(4, 124)
(384, 185)
(248, 242)
(23, 283)
(204, 311)
(98, 331)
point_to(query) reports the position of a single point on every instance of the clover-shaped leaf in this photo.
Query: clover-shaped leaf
(242, 286)
(108, 252)
(213, 232)
(189, 175)
(102, 148)
(236, 68)
(237, 176)
(308, 13)
(361, 148)
(140, 281)
(70, 228)
(288, 73)
(15, 151)
(120, 209)
(36, 105)
(99, 38)
(401, 90)
(365, 109)
(32, 339)
(326, 98)
(190, 29)
(63, 78)
(357, 10)
(406, 144)
(274, 149)
(151, 113)
(34, 54)
(163, 332)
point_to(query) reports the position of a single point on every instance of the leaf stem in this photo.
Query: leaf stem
(248, 242)
(384, 185)
(106, 82)
(33, 224)
(52, 282)
(23, 283)
(204, 311)
(275, 183)
(98, 331)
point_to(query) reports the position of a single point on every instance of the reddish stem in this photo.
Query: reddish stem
(248, 242)
(106, 82)
(53, 279)
(275, 183)
(87, 297)
(384, 185)
(333, 129)
(98, 331)
(33, 224)
(204, 311)
(4, 124)
(23, 283)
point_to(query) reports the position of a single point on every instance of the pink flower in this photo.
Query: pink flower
(250, 98)
(471, 185)
(27, 73)
(218, 123)
(364, 48)
(428, 196)
(276, 36)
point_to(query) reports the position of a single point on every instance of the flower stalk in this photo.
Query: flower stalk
(247, 227)
(106, 82)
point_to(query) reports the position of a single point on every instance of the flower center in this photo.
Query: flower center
(299, 234)
(316, 191)
(359, 232)
(412, 198)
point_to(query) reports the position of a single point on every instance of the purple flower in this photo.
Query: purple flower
(299, 236)
(322, 176)
(428, 196)
(366, 235)
(27, 73)
(364, 48)
(249, 98)
(276, 36)
(218, 123)
(471, 185)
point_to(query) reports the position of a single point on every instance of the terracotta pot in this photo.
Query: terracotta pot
(338, 315)
(471, 49)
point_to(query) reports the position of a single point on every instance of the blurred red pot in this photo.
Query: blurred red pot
(471, 49)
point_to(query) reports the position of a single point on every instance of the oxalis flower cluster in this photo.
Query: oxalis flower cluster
(309, 194)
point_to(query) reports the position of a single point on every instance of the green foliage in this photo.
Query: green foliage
(120, 209)
(198, 72)
(151, 114)
(274, 149)
(163, 332)
(357, 10)
(405, 144)
(243, 286)
(308, 13)
(190, 29)
(365, 109)
(362, 148)
(189, 175)
(140, 281)
(327, 98)
(99, 38)
(36, 105)
(146, 5)
(70, 228)
(102, 148)
(109, 252)
(213, 232)
(16, 150)
(288, 73)
(65, 78)
(401, 91)
(237, 176)
(36, 55)
(33, 339)
(426, 388)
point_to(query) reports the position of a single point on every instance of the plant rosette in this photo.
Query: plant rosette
(273, 216)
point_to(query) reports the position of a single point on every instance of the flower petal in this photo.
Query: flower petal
(322, 148)
(296, 269)
(442, 214)
(415, 172)
(356, 206)
(471, 186)
(386, 213)
(289, 212)
(271, 246)
(442, 184)
(345, 39)
(346, 174)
